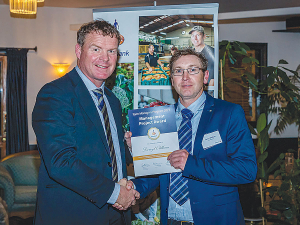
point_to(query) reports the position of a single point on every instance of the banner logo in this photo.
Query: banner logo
(116, 25)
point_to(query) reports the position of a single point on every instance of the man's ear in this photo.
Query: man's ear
(78, 50)
(204, 36)
(205, 78)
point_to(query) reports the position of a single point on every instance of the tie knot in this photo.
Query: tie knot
(98, 92)
(186, 113)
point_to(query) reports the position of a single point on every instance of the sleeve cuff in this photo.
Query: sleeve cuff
(114, 196)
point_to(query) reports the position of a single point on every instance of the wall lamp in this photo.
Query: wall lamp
(61, 68)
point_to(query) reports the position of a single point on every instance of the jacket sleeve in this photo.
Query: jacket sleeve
(55, 128)
(146, 186)
(239, 164)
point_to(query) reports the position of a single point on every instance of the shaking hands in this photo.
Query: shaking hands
(127, 196)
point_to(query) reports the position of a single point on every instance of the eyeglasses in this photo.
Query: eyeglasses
(191, 71)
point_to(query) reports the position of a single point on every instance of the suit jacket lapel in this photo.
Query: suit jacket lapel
(204, 122)
(88, 105)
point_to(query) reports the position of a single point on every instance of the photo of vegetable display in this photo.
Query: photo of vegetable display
(146, 102)
(123, 87)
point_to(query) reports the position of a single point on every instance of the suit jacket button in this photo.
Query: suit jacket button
(109, 164)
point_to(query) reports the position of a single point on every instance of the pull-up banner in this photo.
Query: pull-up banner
(149, 37)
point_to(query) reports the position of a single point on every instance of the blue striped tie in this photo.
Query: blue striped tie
(102, 107)
(178, 184)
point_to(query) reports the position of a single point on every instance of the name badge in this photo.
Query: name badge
(211, 139)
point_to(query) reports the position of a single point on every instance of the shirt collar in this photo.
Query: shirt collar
(89, 84)
(195, 107)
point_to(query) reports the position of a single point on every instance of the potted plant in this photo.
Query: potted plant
(279, 95)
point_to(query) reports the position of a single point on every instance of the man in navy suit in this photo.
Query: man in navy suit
(81, 159)
(221, 157)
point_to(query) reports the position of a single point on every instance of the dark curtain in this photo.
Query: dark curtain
(16, 102)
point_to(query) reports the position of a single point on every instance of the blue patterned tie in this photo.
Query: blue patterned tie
(178, 184)
(102, 107)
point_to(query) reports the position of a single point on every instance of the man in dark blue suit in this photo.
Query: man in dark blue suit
(77, 122)
(216, 155)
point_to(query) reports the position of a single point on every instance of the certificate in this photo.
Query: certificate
(154, 138)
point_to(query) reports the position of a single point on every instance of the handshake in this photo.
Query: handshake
(127, 196)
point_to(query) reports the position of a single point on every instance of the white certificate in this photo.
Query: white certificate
(154, 137)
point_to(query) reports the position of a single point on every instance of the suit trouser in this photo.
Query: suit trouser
(116, 217)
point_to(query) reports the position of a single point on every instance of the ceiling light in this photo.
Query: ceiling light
(23, 6)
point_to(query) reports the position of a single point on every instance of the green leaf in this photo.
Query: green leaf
(236, 46)
(231, 59)
(244, 46)
(282, 156)
(292, 71)
(235, 70)
(262, 157)
(243, 52)
(280, 205)
(246, 60)
(255, 60)
(268, 70)
(224, 42)
(272, 190)
(222, 51)
(252, 130)
(282, 61)
(244, 79)
(273, 166)
(268, 126)
(270, 79)
(276, 173)
(261, 122)
(264, 140)
(283, 76)
(251, 78)
(262, 168)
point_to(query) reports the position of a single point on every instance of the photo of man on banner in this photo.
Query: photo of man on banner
(162, 35)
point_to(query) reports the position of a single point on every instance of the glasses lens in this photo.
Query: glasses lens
(193, 70)
(178, 72)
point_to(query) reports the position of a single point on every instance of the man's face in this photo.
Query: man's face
(197, 38)
(97, 57)
(151, 49)
(189, 87)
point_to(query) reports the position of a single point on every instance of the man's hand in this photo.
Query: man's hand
(178, 159)
(123, 182)
(125, 201)
(127, 137)
(126, 183)
(126, 198)
(150, 69)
